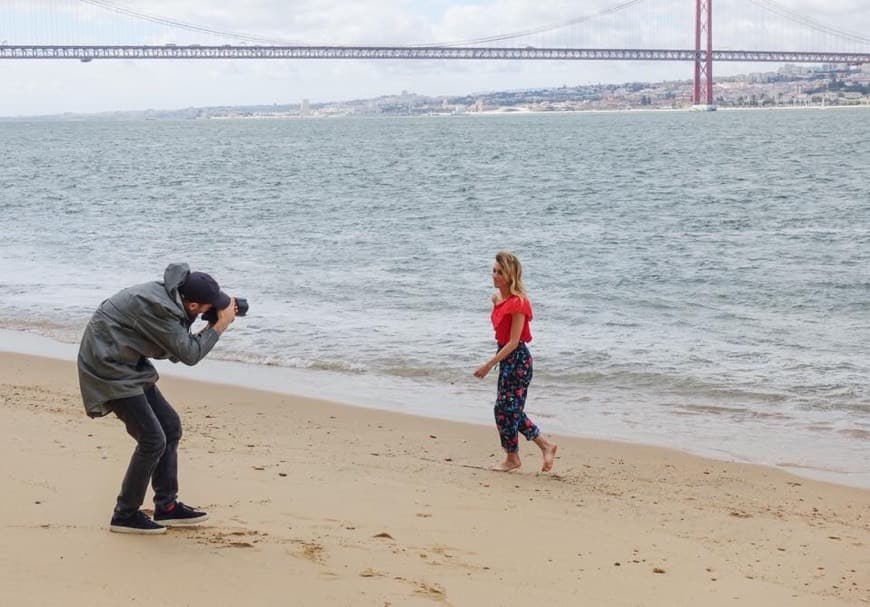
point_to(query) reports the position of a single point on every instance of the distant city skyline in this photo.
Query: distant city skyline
(50, 87)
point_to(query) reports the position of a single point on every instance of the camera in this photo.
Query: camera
(241, 310)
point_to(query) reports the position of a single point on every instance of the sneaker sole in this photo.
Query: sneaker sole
(182, 522)
(121, 529)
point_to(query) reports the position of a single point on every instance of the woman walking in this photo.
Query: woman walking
(511, 315)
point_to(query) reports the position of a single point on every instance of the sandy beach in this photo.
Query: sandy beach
(317, 503)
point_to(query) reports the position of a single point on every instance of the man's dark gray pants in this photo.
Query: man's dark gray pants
(155, 425)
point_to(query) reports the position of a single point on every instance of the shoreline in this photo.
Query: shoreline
(406, 396)
(500, 111)
(338, 504)
(415, 399)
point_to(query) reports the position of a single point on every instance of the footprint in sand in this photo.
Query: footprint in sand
(421, 587)
(369, 572)
(433, 591)
(311, 551)
(221, 538)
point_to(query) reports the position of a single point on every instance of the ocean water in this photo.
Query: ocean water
(699, 280)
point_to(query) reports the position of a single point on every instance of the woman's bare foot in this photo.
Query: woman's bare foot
(548, 450)
(549, 455)
(511, 462)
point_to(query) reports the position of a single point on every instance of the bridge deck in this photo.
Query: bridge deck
(90, 52)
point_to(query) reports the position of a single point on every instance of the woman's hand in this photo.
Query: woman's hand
(483, 370)
(517, 320)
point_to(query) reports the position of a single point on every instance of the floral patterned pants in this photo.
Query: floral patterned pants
(514, 376)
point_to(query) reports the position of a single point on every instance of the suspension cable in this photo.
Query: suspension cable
(538, 30)
(797, 17)
(185, 26)
(769, 5)
(104, 4)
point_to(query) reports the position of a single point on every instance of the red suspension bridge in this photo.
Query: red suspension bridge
(702, 54)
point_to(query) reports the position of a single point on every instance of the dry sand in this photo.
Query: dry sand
(315, 503)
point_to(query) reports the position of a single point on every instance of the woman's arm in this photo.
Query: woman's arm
(517, 321)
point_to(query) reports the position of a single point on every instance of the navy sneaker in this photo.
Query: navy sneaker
(138, 522)
(179, 515)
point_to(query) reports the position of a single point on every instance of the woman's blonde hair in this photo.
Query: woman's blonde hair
(513, 271)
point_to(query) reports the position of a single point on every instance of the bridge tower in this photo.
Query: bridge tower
(703, 93)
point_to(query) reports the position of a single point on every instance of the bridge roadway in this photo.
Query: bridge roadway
(195, 51)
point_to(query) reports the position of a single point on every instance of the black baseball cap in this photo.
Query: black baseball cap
(201, 288)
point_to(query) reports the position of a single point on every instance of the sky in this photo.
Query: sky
(35, 87)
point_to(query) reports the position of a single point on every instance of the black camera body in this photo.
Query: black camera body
(241, 310)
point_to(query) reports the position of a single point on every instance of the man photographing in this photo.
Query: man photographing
(150, 320)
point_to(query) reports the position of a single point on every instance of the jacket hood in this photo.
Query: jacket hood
(174, 276)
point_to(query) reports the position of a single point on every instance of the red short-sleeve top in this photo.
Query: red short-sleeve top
(502, 315)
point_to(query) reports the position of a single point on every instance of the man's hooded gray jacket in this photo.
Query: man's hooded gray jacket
(141, 322)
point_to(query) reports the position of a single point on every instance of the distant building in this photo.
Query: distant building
(305, 109)
(794, 71)
(762, 77)
(833, 67)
